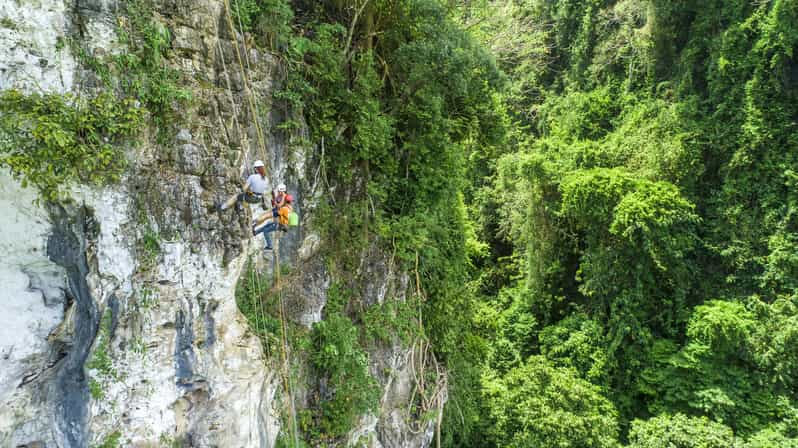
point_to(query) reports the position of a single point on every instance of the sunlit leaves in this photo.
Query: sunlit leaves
(578, 342)
(680, 431)
(543, 406)
(733, 367)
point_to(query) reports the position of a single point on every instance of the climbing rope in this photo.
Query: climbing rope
(260, 314)
(276, 269)
(247, 91)
(284, 332)
(236, 122)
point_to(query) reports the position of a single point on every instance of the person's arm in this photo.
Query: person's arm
(246, 185)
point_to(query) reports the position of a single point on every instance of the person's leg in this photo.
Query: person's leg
(259, 221)
(260, 227)
(267, 233)
(231, 201)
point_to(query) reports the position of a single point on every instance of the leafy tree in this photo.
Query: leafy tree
(540, 405)
(578, 342)
(679, 431)
(717, 373)
(773, 437)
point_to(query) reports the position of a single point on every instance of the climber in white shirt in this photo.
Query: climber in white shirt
(254, 188)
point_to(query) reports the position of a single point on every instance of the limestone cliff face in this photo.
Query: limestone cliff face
(118, 318)
(115, 339)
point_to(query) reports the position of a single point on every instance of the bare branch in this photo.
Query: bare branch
(352, 27)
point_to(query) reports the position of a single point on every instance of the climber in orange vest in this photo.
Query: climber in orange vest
(282, 205)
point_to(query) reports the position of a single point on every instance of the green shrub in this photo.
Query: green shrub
(679, 431)
(111, 441)
(775, 436)
(252, 297)
(96, 389)
(100, 359)
(52, 140)
(392, 319)
(150, 246)
(538, 405)
(338, 357)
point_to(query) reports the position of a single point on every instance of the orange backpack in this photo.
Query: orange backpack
(283, 214)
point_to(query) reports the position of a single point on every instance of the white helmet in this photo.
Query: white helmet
(258, 164)
(281, 188)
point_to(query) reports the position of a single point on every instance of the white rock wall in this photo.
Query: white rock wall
(223, 394)
(184, 365)
(30, 284)
(33, 52)
(31, 296)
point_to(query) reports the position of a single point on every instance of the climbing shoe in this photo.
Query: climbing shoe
(267, 248)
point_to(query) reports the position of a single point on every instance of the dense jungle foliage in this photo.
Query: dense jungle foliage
(599, 199)
(601, 196)
(639, 281)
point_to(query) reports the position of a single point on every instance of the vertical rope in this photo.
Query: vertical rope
(262, 141)
(247, 91)
(236, 122)
(284, 331)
